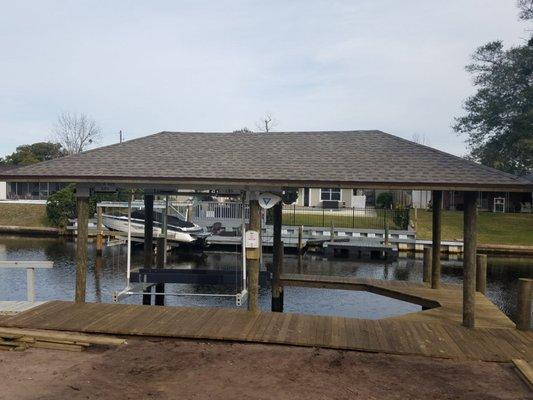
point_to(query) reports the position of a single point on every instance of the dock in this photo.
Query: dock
(434, 332)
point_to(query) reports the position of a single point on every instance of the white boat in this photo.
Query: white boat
(177, 229)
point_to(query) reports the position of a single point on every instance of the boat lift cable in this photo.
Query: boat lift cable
(239, 295)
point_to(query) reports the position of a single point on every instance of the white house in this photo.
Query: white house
(338, 198)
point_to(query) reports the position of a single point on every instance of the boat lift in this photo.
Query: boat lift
(132, 289)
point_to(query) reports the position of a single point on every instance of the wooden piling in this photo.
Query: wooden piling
(481, 273)
(426, 269)
(160, 263)
(523, 310)
(277, 256)
(300, 247)
(469, 258)
(148, 240)
(82, 210)
(253, 263)
(436, 202)
(99, 231)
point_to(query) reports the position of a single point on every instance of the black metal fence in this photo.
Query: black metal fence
(360, 218)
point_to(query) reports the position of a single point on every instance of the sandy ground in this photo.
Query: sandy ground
(180, 369)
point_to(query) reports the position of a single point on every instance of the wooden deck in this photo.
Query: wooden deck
(435, 332)
(15, 307)
(445, 304)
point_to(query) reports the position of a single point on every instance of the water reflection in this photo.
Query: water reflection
(107, 273)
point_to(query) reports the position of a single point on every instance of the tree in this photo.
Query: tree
(76, 132)
(420, 139)
(34, 153)
(267, 123)
(526, 9)
(499, 117)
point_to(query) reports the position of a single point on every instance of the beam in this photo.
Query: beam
(436, 203)
(277, 256)
(469, 258)
(254, 258)
(82, 212)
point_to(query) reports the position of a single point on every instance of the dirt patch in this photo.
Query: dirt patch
(171, 369)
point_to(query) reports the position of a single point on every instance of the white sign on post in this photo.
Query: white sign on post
(268, 200)
(251, 239)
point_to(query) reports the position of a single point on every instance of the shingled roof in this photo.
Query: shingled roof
(368, 159)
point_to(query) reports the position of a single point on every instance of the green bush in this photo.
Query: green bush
(61, 206)
(384, 200)
(401, 218)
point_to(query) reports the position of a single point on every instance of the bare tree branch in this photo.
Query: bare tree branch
(420, 139)
(76, 132)
(267, 123)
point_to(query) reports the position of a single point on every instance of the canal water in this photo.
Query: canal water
(107, 274)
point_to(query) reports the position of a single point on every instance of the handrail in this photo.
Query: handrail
(30, 273)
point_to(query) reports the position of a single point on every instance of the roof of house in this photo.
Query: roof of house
(368, 159)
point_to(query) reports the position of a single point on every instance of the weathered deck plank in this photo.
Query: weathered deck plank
(395, 336)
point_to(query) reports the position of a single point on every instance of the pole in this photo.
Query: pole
(82, 208)
(99, 233)
(469, 259)
(254, 257)
(436, 197)
(148, 241)
(277, 289)
(427, 264)
(481, 273)
(523, 310)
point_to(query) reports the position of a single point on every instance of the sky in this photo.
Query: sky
(148, 66)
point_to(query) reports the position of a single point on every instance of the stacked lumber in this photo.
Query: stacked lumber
(16, 339)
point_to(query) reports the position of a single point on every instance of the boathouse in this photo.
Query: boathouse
(279, 163)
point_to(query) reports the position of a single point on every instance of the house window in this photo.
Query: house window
(330, 194)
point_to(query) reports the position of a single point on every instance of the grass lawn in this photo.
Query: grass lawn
(33, 215)
(493, 228)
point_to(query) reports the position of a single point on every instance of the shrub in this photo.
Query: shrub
(61, 206)
(401, 218)
(384, 200)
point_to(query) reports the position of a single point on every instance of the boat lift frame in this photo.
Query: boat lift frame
(138, 289)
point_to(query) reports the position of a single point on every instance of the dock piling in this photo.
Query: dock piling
(469, 259)
(253, 263)
(523, 309)
(426, 269)
(436, 203)
(277, 260)
(481, 273)
(82, 209)
(99, 231)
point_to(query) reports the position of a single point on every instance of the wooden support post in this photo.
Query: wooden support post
(148, 240)
(160, 263)
(255, 257)
(30, 284)
(426, 272)
(469, 259)
(82, 209)
(300, 239)
(436, 201)
(523, 310)
(99, 231)
(277, 260)
(332, 232)
(481, 273)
